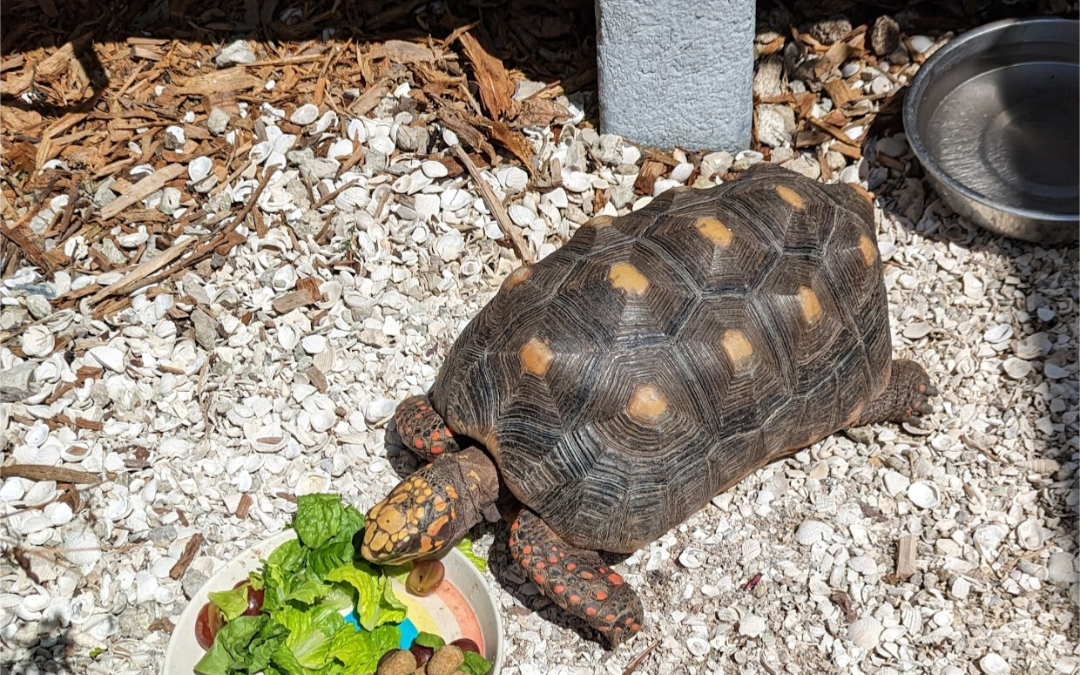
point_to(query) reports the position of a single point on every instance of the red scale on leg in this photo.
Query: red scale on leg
(575, 579)
(422, 429)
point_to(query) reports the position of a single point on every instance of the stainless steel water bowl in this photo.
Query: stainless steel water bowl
(993, 116)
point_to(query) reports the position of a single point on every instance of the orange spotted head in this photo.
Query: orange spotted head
(413, 521)
(431, 509)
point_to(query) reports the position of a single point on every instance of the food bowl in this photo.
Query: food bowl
(993, 115)
(462, 607)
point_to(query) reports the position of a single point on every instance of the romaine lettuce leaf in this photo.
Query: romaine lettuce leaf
(466, 548)
(360, 651)
(231, 603)
(231, 648)
(475, 664)
(376, 603)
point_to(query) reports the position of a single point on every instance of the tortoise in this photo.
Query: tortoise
(644, 367)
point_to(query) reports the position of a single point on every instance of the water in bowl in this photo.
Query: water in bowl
(1010, 134)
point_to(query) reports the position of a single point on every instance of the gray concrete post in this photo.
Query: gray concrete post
(678, 73)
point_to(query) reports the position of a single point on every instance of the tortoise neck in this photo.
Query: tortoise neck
(477, 481)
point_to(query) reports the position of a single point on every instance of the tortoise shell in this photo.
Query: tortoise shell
(657, 358)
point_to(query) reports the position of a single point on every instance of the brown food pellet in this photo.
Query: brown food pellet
(445, 661)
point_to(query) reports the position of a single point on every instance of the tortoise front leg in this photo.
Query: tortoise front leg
(423, 430)
(575, 579)
(904, 400)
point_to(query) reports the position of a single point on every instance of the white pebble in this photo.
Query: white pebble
(921, 43)
(1016, 368)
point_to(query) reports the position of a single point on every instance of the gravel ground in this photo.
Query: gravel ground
(211, 400)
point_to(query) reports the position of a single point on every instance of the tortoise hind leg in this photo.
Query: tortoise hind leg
(575, 579)
(423, 430)
(904, 400)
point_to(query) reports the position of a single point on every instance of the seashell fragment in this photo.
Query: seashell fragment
(752, 625)
(691, 558)
(1061, 569)
(993, 664)
(698, 646)
(924, 494)
(434, 169)
(1030, 534)
(865, 633)
(199, 168)
(988, 538)
(305, 115)
(109, 357)
(512, 179)
(38, 341)
(313, 344)
(812, 531)
(82, 548)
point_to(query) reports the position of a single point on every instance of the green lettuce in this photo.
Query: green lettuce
(475, 664)
(376, 603)
(231, 603)
(466, 548)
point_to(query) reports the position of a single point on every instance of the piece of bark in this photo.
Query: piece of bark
(191, 549)
(495, 205)
(243, 506)
(650, 171)
(134, 279)
(56, 473)
(144, 188)
(496, 87)
(906, 556)
(305, 294)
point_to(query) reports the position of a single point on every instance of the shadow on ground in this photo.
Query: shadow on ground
(548, 40)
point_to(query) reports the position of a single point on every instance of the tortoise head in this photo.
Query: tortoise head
(429, 511)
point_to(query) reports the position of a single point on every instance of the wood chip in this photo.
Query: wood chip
(56, 473)
(496, 207)
(650, 171)
(191, 549)
(143, 189)
(306, 292)
(138, 275)
(496, 87)
(242, 506)
(906, 556)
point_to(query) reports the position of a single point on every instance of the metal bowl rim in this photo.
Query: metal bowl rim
(911, 108)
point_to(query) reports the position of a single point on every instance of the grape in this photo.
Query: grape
(255, 601)
(467, 645)
(254, 598)
(423, 654)
(425, 577)
(207, 625)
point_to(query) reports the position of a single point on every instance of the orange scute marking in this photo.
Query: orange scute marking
(790, 196)
(647, 405)
(536, 357)
(538, 578)
(868, 249)
(626, 277)
(609, 617)
(571, 567)
(591, 611)
(586, 575)
(559, 588)
(516, 277)
(737, 347)
(575, 599)
(811, 306)
(615, 578)
(715, 231)
(526, 549)
(601, 595)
